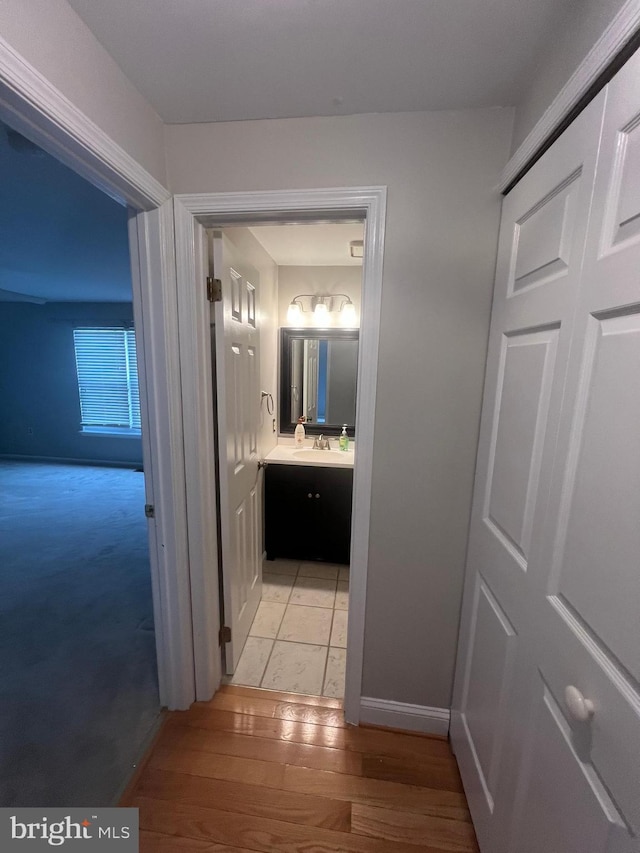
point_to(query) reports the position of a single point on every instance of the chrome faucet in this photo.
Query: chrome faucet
(321, 443)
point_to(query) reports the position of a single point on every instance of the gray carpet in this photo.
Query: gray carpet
(78, 680)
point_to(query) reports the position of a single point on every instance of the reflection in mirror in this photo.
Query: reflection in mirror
(318, 372)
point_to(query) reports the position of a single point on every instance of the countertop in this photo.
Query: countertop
(284, 454)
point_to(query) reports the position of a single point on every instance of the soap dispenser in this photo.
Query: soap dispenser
(299, 433)
(343, 442)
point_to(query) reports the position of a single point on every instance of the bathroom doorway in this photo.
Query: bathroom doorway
(310, 284)
(194, 214)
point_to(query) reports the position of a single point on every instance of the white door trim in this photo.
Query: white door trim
(610, 43)
(156, 318)
(370, 203)
(36, 108)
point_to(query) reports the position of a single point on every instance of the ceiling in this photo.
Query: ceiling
(225, 60)
(61, 239)
(310, 245)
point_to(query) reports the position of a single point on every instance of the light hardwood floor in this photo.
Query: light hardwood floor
(257, 770)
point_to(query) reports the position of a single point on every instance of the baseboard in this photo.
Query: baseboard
(401, 715)
(62, 460)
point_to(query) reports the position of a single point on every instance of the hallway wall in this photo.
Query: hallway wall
(39, 388)
(441, 169)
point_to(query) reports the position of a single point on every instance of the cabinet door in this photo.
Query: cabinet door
(333, 539)
(290, 510)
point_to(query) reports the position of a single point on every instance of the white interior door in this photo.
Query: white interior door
(586, 602)
(237, 355)
(553, 590)
(542, 238)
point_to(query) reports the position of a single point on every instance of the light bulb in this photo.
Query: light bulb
(349, 314)
(321, 311)
(294, 313)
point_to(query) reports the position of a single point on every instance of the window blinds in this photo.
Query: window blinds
(107, 370)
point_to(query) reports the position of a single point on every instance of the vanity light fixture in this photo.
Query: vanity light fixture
(320, 304)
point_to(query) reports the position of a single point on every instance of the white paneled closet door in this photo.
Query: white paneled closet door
(542, 238)
(546, 722)
(581, 769)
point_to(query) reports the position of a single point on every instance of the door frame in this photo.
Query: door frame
(30, 104)
(215, 210)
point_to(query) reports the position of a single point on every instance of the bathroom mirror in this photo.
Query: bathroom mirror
(318, 373)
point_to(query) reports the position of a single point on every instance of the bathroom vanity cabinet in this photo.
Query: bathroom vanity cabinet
(308, 512)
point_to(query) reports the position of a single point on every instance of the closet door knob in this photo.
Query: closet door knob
(581, 709)
(309, 495)
(317, 495)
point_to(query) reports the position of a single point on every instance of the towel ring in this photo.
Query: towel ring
(269, 397)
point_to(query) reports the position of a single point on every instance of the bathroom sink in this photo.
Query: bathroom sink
(317, 455)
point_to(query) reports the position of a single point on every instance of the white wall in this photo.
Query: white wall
(575, 33)
(52, 38)
(442, 222)
(295, 280)
(255, 255)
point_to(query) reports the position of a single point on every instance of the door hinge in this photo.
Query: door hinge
(150, 510)
(214, 289)
(224, 635)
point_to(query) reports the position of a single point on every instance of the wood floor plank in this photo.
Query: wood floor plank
(401, 826)
(376, 792)
(188, 790)
(304, 780)
(260, 834)
(225, 767)
(261, 707)
(381, 742)
(333, 717)
(257, 771)
(356, 739)
(212, 719)
(157, 842)
(263, 749)
(429, 774)
(298, 698)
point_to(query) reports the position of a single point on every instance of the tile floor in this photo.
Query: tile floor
(298, 640)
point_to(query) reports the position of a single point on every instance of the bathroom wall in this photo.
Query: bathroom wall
(295, 280)
(38, 385)
(441, 170)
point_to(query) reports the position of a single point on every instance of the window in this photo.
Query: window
(107, 370)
